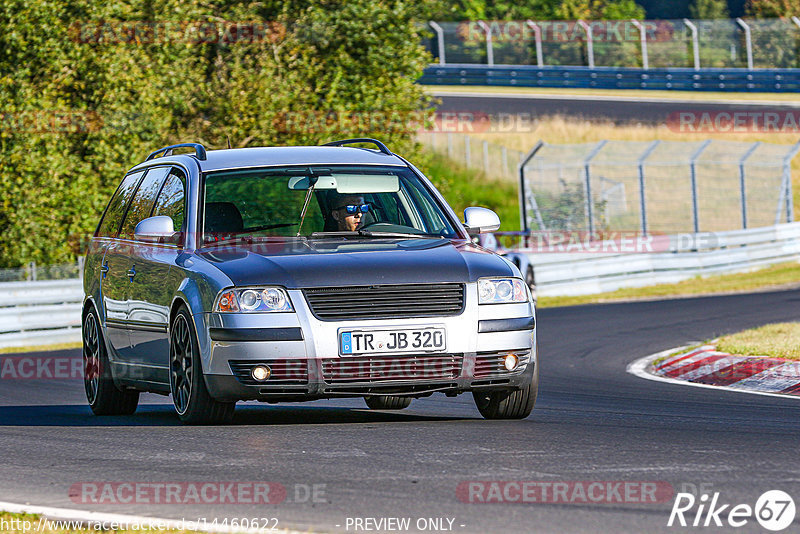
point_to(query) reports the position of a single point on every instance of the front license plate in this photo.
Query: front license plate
(424, 339)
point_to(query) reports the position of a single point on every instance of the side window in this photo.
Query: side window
(115, 211)
(143, 200)
(171, 199)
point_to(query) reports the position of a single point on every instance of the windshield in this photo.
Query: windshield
(331, 201)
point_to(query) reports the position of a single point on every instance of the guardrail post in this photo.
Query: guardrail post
(748, 41)
(589, 42)
(643, 40)
(695, 43)
(693, 169)
(588, 184)
(642, 201)
(489, 49)
(537, 33)
(467, 155)
(486, 157)
(523, 212)
(742, 185)
(440, 40)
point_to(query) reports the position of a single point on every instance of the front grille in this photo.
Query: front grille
(373, 369)
(385, 302)
(284, 372)
(492, 364)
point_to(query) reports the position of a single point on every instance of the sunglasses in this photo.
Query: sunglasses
(352, 209)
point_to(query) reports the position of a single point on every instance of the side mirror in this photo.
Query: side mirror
(158, 229)
(481, 221)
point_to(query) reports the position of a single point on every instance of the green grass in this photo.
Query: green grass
(778, 340)
(698, 96)
(464, 187)
(782, 274)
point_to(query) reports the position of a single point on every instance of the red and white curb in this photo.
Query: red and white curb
(706, 367)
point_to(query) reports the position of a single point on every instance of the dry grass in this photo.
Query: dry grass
(771, 277)
(560, 130)
(41, 348)
(779, 340)
(699, 96)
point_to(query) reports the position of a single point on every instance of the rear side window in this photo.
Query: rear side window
(171, 199)
(115, 211)
(143, 200)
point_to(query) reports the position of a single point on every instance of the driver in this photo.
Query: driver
(347, 211)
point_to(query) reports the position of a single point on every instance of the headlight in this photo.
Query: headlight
(501, 291)
(257, 300)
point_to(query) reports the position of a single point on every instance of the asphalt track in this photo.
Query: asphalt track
(593, 422)
(619, 110)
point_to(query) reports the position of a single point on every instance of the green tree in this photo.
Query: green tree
(709, 9)
(86, 95)
(771, 8)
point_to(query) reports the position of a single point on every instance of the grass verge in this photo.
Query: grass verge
(778, 340)
(41, 348)
(464, 187)
(698, 96)
(775, 276)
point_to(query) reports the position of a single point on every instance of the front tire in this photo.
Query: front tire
(508, 404)
(387, 402)
(190, 396)
(104, 397)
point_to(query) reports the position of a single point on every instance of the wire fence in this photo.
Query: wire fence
(657, 187)
(734, 43)
(496, 161)
(33, 272)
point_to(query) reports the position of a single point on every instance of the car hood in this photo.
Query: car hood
(298, 264)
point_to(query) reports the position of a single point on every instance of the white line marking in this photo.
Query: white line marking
(67, 514)
(640, 366)
(609, 98)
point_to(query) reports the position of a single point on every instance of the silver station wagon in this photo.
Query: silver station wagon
(288, 274)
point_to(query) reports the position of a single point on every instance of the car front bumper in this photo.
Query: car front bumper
(302, 353)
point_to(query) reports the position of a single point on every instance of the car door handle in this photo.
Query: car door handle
(104, 269)
(131, 273)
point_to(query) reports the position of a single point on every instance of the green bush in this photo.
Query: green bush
(84, 100)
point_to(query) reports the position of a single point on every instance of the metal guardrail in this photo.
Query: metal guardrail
(683, 79)
(48, 312)
(40, 313)
(687, 256)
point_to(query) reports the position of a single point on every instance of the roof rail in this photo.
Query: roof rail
(381, 146)
(199, 151)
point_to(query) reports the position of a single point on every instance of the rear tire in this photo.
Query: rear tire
(104, 397)
(387, 402)
(190, 396)
(508, 404)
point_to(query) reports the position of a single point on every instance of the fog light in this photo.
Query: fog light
(511, 362)
(262, 372)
